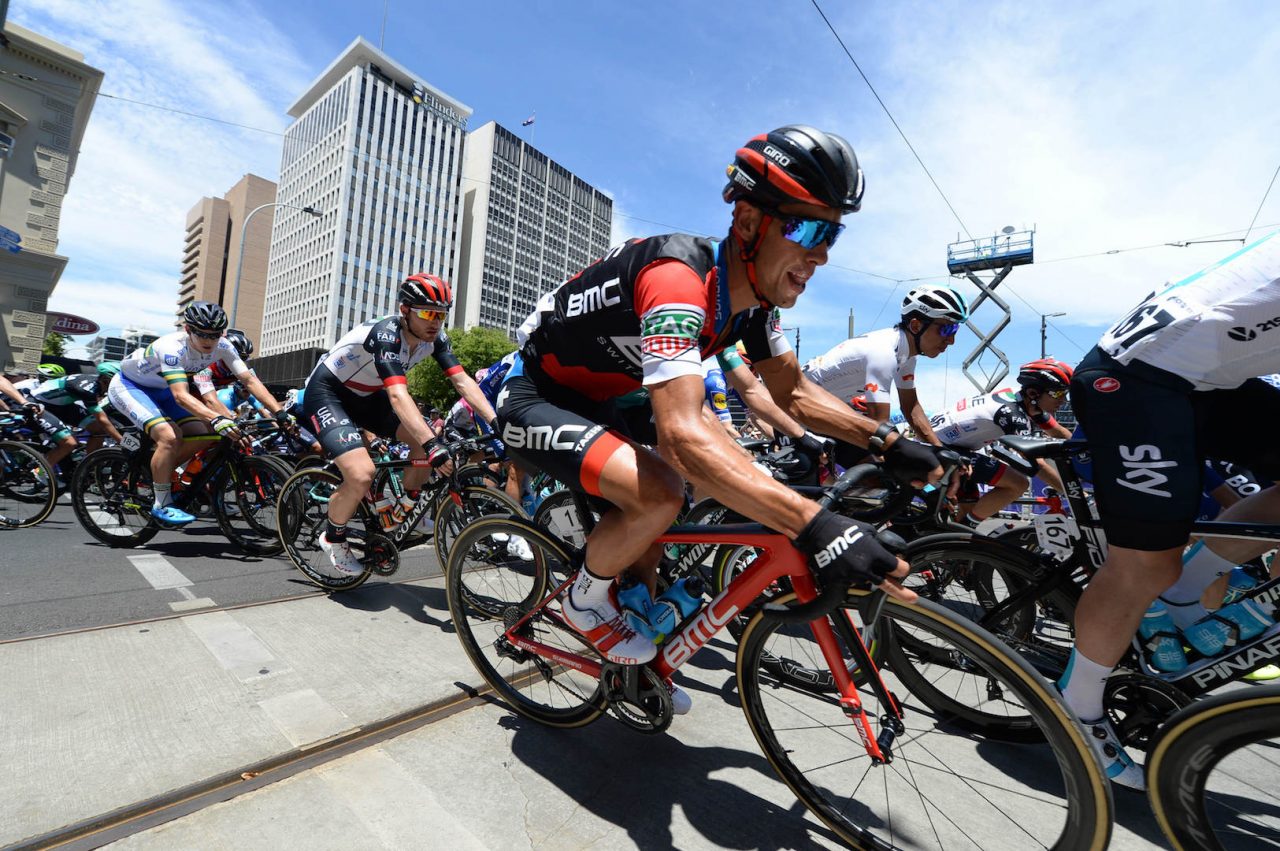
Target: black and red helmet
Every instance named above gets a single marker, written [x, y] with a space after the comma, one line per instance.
[1046, 373]
[796, 164]
[422, 290]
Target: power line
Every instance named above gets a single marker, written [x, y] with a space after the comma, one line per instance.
[891, 118]
[1260, 203]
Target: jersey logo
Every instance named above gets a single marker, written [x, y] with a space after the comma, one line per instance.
[1141, 463]
[669, 332]
[542, 437]
[171, 360]
[593, 298]
[873, 387]
[1242, 334]
[1106, 385]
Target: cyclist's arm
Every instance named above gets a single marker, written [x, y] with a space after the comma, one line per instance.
[211, 399]
[407, 411]
[104, 423]
[7, 388]
[814, 407]
[759, 402]
[469, 390]
[910, 404]
[259, 390]
[706, 456]
[182, 394]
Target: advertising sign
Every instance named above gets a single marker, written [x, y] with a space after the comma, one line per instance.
[68, 323]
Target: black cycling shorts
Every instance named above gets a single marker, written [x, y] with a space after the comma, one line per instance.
[53, 420]
[1149, 433]
[986, 470]
[561, 433]
[335, 415]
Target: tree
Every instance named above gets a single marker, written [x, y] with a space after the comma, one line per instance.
[55, 344]
[475, 348]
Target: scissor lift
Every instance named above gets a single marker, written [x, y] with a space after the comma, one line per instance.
[1000, 252]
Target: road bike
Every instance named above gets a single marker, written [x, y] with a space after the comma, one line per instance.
[28, 487]
[896, 775]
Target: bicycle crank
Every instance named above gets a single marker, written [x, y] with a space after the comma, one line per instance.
[637, 697]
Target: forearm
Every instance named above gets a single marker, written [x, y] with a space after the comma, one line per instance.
[824, 413]
[471, 391]
[260, 392]
[924, 431]
[411, 418]
[215, 404]
[194, 405]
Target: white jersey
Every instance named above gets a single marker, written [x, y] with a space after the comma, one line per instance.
[170, 358]
[978, 420]
[27, 385]
[1217, 328]
[869, 365]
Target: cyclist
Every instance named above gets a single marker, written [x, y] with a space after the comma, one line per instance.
[360, 384]
[216, 377]
[981, 420]
[681, 299]
[1165, 387]
[72, 402]
[153, 389]
[871, 364]
[11, 397]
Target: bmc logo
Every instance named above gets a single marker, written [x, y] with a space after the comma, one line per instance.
[832, 551]
[593, 298]
[777, 156]
[541, 437]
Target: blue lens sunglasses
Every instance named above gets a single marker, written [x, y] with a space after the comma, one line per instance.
[807, 233]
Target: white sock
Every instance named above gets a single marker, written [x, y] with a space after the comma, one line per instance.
[1201, 567]
[1082, 685]
[588, 589]
[163, 495]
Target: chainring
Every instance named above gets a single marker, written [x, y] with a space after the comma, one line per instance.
[649, 709]
[1137, 704]
[381, 554]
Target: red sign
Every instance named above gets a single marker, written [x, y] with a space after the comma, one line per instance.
[68, 323]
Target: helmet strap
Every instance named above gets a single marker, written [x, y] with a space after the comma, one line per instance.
[748, 258]
[916, 335]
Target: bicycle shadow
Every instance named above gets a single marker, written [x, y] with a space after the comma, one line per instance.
[417, 602]
[636, 782]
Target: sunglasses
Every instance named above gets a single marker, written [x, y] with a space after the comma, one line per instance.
[810, 233]
[429, 314]
[1057, 394]
[205, 335]
[948, 330]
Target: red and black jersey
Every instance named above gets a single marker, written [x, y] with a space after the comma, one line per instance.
[649, 311]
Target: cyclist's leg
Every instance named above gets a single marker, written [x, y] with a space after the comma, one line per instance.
[57, 432]
[1006, 485]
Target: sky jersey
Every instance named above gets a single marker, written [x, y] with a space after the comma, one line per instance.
[978, 420]
[1216, 328]
[374, 355]
[170, 359]
[81, 390]
[868, 365]
[646, 313]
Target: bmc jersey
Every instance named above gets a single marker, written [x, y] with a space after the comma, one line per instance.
[979, 420]
[170, 359]
[73, 390]
[648, 312]
[375, 355]
[1217, 328]
[869, 365]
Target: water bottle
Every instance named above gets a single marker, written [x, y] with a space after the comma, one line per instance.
[1239, 582]
[1228, 626]
[678, 602]
[636, 605]
[1161, 640]
[386, 512]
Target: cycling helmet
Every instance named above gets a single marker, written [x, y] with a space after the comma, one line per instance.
[108, 369]
[935, 302]
[424, 290]
[51, 370]
[1045, 373]
[241, 341]
[205, 315]
[796, 164]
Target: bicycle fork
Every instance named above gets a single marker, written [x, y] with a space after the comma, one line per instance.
[878, 746]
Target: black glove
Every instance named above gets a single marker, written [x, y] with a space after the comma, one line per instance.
[809, 445]
[32, 409]
[845, 551]
[282, 417]
[909, 460]
[437, 455]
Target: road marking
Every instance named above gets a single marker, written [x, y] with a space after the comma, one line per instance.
[305, 717]
[235, 646]
[163, 576]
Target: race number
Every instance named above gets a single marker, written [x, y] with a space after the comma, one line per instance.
[1056, 533]
[130, 442]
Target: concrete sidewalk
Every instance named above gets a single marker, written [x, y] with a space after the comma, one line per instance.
[100, 720]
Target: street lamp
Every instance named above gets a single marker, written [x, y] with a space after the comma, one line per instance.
[244, 229]
[1043, 318]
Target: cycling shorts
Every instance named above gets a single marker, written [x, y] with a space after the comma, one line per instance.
[559, 432]
[336, 415]
[1149, 434]
[146, 407]
[52, 421]
[986, 470]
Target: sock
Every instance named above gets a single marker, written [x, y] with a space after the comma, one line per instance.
[163, 494]
[1201, 566]
[589, 589]
[335, 532]
[1082, 685]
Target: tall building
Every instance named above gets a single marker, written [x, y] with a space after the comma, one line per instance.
[112, 348]
[46, 95]
[379, 153]
[528, 224]
[212, 252]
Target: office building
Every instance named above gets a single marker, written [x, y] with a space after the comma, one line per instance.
[212, 252]
[106, 347]
[46, 95]
[528, 224]
[378, 152]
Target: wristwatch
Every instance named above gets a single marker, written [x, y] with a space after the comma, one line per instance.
[876, 442]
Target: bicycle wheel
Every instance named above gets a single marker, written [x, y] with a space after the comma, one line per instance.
[558, 514]
[246, 508]
[302, 509]
[112, 498]
[471, 475]
[941, 789]
[473, 502]
[490, 591]
[28, 490]
[1211, 772]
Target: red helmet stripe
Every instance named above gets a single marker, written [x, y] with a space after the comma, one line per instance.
[779, 178]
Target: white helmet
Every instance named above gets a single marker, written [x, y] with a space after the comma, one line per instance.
[935, 302]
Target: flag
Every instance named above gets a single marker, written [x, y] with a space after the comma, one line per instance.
[528, 120]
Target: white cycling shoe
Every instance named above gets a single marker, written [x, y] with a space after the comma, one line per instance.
[602, 625]
[1119, 766]
[343, 559]
[681, 702]
[518, 547]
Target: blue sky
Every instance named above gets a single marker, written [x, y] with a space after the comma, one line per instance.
[1107, 126]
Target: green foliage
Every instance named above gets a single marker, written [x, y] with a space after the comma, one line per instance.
[475, 348]
[55, 344]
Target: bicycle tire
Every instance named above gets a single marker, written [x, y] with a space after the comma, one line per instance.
[1053, 795]
[302, 511]
[248, 516]
[1189, 753]
[112, 498]
[470, 475]
[28, 487]
[487, 591]
[474, 501]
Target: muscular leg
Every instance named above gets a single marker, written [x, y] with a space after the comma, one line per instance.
[357, 475]
[623, 536]
[1115, 600]
[1010, 486]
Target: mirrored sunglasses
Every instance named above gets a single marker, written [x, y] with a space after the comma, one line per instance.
[429, 313]
[205, 335]
[1057, 394]
[948, 330]
[810, 233]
